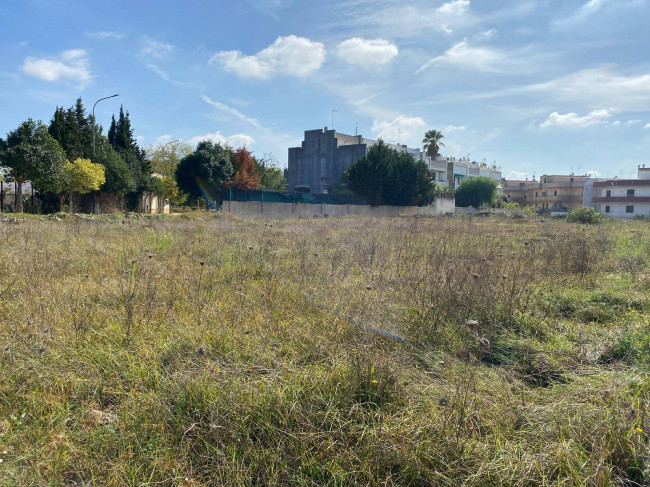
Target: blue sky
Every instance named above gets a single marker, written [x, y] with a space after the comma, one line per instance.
[543, 86]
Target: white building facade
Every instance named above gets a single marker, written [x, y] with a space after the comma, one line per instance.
[621, 198]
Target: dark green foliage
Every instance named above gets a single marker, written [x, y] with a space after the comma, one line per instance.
[208, 167]
[385, 177]
[156, 187]
[585, 214]
[74, 131]
[272, 177]
[33, 155]
[120, 137]
[118, 176]
[476, 192]
[119, 156]
[432, 142]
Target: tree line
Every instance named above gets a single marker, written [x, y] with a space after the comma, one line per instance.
[73, 155]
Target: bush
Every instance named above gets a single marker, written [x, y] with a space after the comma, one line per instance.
[584, 214]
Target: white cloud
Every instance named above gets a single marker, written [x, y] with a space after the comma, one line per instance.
[465, 56]
[516, 176]
[647, 126]
[290, 56]
[232, 112]
[72, 65]
[399, 20]
[600, 86]
[448, 13]
[237, 140]
[487, 35]
[408, 130]
[616, 122]
[632, 122]
[591, 7]
[106, 35]
[367, 51]
[155, 49]
[453, 128]
[572, 119]
[163, 139]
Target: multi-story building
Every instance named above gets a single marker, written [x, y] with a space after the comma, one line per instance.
[324, 155]
[552, 192]
[518, 191]
[558, 192]
[457, 169]
[620, 198]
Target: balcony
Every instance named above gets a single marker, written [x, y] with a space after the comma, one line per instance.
[622, 199]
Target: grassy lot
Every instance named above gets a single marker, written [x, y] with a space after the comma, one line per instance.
[207, 351]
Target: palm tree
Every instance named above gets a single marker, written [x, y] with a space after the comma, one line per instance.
[432, 142]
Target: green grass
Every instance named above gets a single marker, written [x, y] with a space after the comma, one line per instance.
[206, 351]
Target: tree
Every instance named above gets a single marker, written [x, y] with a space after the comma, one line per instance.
[476, 192]
[432, 142]
[271, 176]
[118, 177]
[246, 175]
[384, 176]
[165, 157]
[83, 176]
[33, 155]
[120, 136]
[204, 172]
[172, 192]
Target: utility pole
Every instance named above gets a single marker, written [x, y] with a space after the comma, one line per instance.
[94, 125]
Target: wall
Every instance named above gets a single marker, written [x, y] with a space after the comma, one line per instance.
[257, 209]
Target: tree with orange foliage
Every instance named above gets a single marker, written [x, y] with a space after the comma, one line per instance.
[246, 175]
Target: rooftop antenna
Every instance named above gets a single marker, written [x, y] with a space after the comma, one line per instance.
[356, 129]
[399, 131]
[579, 167]
[333, 111]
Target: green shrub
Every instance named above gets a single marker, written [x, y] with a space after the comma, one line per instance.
[585, 214]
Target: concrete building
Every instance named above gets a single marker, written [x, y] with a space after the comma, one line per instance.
[458, 169]
[324, 155]
[519, 191]
[553, 192]
[620, 198]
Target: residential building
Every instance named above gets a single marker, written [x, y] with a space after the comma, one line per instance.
[458, 169]
[324, 155]
[552, 192]
[620, 198]
[519, 191]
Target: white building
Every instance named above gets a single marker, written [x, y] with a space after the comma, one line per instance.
[620, 198]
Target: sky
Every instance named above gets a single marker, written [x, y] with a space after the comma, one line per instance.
[539, 86]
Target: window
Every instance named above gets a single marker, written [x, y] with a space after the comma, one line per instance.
[629, 209]
[554, 193]
[571, 179]
[535, 194]
[607, 209]
[609, 193]
[630, 193]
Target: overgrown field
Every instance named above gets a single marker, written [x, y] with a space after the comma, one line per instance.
[210, 351]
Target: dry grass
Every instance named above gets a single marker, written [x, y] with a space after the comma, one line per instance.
[208, 351]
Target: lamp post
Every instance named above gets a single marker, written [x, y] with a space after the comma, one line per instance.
[94, 124]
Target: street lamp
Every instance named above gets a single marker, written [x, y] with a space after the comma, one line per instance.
[94, 124]
[105, 98]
